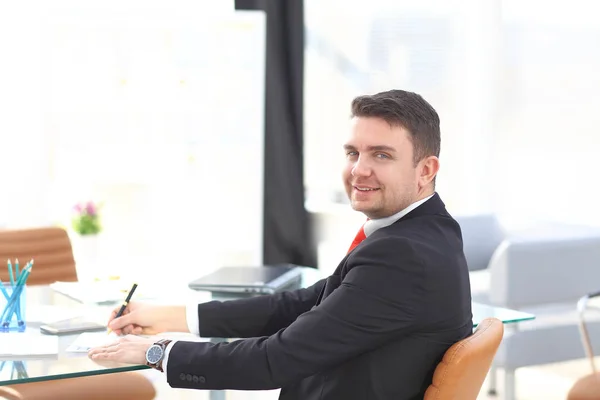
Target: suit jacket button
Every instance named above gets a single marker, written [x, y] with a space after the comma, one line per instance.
[195, 378]
[188, 377]
[182, 376]
[202, 379]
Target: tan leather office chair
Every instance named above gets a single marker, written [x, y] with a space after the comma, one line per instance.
[50, 247]
[588, 387]
[460, 374]
[125, 385]
[9, 394]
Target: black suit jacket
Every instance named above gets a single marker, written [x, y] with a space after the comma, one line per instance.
[375, 329]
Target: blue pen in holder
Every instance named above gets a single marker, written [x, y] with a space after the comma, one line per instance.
[12, 317]
[12, 298]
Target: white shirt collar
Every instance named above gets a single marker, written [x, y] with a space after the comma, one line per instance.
[373, 224]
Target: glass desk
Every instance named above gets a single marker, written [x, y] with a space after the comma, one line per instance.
[64, 365]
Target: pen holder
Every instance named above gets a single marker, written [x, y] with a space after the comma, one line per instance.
[9, 369]
[12, 317]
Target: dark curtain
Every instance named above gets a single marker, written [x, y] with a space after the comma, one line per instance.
[286, 233]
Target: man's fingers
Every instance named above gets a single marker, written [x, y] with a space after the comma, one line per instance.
[138, 330]
[113, 315]
[126, 330]
[121, 322]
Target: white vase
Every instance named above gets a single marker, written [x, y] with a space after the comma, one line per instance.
[85, 250]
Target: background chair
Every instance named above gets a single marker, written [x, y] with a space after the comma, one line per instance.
[121, 386]
[50, 247]
[460, 374]
[588, 387]
[9, 394]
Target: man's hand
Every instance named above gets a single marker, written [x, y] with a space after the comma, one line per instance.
[127, 349]
[147, 319]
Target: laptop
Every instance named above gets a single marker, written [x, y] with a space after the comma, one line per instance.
[264, 279]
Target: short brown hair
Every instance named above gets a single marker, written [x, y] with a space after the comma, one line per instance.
[407, 110]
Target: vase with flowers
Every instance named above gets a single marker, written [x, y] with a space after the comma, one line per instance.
[86, 223]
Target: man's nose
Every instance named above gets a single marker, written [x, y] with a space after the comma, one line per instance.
[361, 168]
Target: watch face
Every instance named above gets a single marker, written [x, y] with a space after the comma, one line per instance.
[154, 354]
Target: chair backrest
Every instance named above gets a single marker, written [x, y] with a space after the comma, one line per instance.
[481, 233]
[544, 269]
[460, 374]
[49, 247]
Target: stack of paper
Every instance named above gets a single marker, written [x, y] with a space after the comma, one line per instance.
[27, 345]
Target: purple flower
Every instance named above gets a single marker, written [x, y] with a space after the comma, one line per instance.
[77, 208]
[90, 208]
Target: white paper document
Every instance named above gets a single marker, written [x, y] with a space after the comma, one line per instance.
[23, 344]
[88, 340]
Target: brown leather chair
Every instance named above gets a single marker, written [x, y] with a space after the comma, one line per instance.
[9, 394]
[588, 387]
[50, 248]
[460, 374]
[124, 385]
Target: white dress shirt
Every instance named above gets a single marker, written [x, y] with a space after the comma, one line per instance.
[191, 310]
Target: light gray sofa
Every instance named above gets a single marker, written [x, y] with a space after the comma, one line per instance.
[544, 271]
[482, 234]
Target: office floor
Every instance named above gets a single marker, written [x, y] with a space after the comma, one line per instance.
[549, 382]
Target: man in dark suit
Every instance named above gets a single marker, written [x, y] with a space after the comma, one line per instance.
[378, 326]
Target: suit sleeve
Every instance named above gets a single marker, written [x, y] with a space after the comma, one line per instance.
[379, 300]
[256, 316]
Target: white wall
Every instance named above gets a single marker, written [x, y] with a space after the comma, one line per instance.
[515, 84]
[154, 108]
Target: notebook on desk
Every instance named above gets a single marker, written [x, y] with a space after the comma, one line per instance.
[264, 279]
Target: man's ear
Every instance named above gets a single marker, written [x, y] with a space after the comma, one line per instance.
[428, 167]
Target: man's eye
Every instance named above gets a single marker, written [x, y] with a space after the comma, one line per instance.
[382, 156]
[351, 153]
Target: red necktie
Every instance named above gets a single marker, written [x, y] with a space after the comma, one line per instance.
[360, 236]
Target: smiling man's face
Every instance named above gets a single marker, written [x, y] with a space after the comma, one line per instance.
[380, 176]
